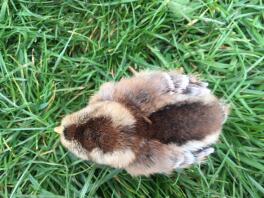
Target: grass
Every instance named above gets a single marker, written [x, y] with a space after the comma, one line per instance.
[55, 54]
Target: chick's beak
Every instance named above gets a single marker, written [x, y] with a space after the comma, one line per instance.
[59, 129]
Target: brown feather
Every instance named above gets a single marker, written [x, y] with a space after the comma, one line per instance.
[182, 123]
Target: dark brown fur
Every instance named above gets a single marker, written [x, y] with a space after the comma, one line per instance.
[70, 131]
[96, 132]
[99, 133]
[180, 123]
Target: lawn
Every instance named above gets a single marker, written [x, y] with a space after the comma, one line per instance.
[55, 54]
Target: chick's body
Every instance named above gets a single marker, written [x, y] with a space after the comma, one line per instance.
[154, 122]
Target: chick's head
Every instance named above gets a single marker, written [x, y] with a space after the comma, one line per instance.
[101, 132]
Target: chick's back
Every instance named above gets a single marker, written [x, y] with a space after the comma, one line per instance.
[180, 123]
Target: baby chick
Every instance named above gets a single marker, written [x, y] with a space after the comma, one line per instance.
[153, 122]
